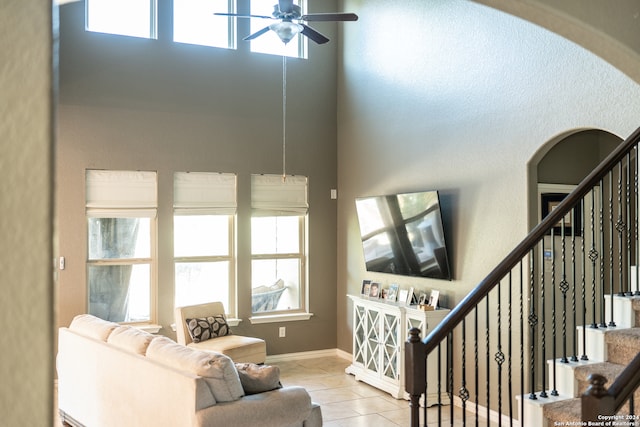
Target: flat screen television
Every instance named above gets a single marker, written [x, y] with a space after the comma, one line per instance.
[403, 234]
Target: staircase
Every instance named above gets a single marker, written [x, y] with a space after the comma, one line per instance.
[620, 344]
[551, 336]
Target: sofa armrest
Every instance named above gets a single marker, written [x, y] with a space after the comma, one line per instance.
[284, 407]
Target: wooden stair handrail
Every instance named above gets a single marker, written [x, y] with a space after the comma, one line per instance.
[598, 402]
[469, 302]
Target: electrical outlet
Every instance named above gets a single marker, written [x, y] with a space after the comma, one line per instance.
[282, 332]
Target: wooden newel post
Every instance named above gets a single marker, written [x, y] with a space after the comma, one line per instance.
[415, 373]
[596, 400]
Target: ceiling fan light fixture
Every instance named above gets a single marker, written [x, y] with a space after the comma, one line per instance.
[286, 30]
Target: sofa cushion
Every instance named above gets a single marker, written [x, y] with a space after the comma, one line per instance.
[92, 326]
[130, 339]
[204, 328]
[258, 378]
[217, 369]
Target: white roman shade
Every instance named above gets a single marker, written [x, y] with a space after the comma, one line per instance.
[204, 193]
[113, 194]
[271, 195]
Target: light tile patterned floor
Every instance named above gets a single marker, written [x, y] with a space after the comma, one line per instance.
[346, 402]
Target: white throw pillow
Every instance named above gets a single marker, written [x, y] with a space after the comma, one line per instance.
[217, 369]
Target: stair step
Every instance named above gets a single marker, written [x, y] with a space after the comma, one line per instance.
[625, 310]
[566, 380]
[563, 412]
[623, 345]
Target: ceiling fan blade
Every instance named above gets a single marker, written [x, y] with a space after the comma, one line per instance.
[285, 6]
[236, 15]
[257, 33]
[313, 34]
[330, 17]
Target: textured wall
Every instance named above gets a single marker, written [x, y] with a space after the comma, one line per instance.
[459, 99]
[26, 306]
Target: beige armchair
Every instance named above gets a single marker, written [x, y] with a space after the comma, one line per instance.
[239, 348]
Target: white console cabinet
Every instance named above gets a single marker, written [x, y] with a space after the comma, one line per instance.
[380, 330]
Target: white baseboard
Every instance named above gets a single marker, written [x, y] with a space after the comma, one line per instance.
[491, 415]
[308, 355]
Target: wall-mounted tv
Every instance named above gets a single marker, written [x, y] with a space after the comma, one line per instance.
[403, 234]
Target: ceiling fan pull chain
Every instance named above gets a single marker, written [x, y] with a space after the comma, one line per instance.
[284, 117]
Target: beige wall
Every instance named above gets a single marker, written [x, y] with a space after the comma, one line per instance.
[459, 99]
[26, 142]
[25, 397]
[156, 105]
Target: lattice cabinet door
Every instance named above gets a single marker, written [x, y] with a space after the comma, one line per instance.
[390, 346]
[359, 335]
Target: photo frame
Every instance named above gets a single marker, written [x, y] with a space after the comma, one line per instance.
[572, 224]
[433, 299]
[422, 299]
[409, 299]
[366, 285]
[402, 296]
[392, 294]
[374, 290]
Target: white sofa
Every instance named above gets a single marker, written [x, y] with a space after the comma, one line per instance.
[112, 375]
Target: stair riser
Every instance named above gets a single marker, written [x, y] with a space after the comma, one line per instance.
[622, 355]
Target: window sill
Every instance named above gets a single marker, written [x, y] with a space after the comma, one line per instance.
[293, 317]
[152, 329]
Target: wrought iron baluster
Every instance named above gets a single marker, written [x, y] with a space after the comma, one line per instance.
[487, 350]
[499, 356]
[620, 226]
[450, 374]
[564, 287]
[543, 317]
[475, 350]
[611, 272]
[636, 223]
[554, 392]
[522, 364]
[533, 321]
[593, 256]
[464, 392]
[509, 349]
[574, 341]
[602, 251]
[583, 285]
[627, 232]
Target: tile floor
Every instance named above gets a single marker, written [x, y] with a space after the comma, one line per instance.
[346, 402]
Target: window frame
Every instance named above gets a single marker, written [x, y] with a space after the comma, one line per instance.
[153, 22]
[232, 30]
[231, 258]
[267, 202]
[152, 261]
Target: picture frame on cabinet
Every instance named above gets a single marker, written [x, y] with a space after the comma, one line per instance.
[392, 295]
[422, 299]
[402, 295]
[374, 290]
[433, 299]
[409, 299]
[366, 285]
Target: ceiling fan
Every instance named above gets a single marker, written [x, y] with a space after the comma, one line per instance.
[285, 12]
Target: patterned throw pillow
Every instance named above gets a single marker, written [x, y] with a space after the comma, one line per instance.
[204, 328]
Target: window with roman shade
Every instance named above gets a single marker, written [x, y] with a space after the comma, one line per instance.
[205, 206]
[278, 244]
[121, 229]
